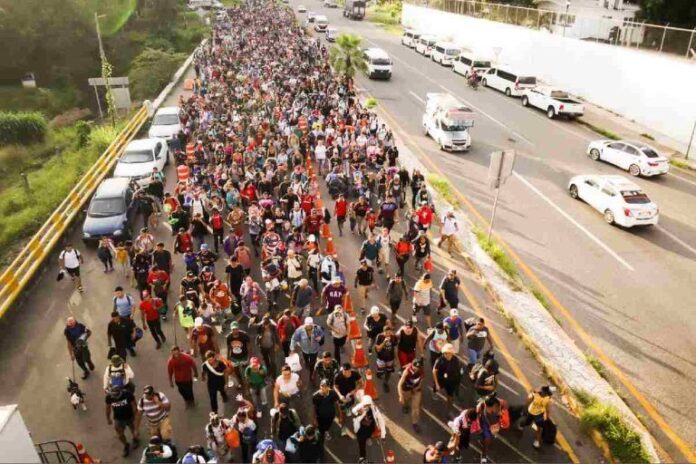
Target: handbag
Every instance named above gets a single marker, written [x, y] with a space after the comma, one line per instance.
[294, 362]
[428, 264]
[232, 438]
[138, 334]
[505, 419]
[548, 432]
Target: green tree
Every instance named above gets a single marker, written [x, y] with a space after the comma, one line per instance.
[346, 57]
[678, 13]
[151, 71]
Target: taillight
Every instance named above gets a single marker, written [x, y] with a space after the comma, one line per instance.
[560, 108]
[627, 212]
[650, 163]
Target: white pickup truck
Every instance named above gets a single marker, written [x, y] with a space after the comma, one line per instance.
[555, 102]
[448, 121]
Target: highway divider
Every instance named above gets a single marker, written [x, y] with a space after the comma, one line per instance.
[17, 276]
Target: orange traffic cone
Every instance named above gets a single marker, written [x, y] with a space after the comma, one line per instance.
[359, 359]
[188, 84]
[370, 388]
[353, 329]
[318, 203]
[348, 304]
[324, 231]
[82, 455]
[391, 457]
[330, 249]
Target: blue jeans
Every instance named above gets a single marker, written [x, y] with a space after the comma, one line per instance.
[473, 355]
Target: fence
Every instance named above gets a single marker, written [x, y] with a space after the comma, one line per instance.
[31, 257]
[614, 31]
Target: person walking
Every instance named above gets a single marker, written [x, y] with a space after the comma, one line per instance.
[455, 329]
[374, 325]
[449, 289]
[338, 325]
[333, 295]
[248, 431]
[105, 253]
[367, 420]
[120, 412]
[346, 385]
[436, 339]
[155, 406]
[538, 412]
[255, 376]
[301, 298]
[396, 290]
[476, 337]
[182, 370]
[421, 298]
[70, 260]
[403, 250]
[214, 373]
[408, 343]
[287, 325]
[76, 335]
[447, 374]
[449, 228]
[268, 342]
[308, 339]
[385, 346]
[325, 401]
[284, 424]
[118, 374]
[286, 388]
[120, 334]
[150, 312]
[410, 389]
[364, 281]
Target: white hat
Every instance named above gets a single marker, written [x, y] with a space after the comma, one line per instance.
[454, 312]
[374, 310]
[308, 320]
[198, 322]
[448, 348]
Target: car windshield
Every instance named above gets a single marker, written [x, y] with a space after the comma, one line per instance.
[106, 207]
[635, 197]
[649, 152]
[453, 126]
[527, 80]
[165, 120]
[452, 52]
[482, 64]
[381, 61]
[136, 156]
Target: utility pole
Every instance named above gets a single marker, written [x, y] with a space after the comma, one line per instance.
[691, 139]
[106, 75]
[500, 168]
[565, 19]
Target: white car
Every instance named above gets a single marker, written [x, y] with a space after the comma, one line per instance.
[621, 201]
[165, 125]
[425, 44]
[301, 9]
[311, 16]
[330, 4]
[638, 158]
[321, 22]
[140, 158]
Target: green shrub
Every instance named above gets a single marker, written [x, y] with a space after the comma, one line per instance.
[370, 103]
[624, 442]
[496, 253]
[50, 102]
[159, 43]
[151, 71]
[22, 128]
[82, 129]
[443, 187]
[596, 364]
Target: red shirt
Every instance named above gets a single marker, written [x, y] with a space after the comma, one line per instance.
[182, 368]
[341, 208]
[157, 275]
[425, 215]
[151, 308]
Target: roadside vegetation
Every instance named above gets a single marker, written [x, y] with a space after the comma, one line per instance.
[444, 188]
[601, 131]
[497, 254]
[596, 365]
[385, 13]
[624, 442]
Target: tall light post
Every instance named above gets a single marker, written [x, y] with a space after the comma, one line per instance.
[565, 19]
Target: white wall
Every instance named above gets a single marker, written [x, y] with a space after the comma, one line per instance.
[656, 90]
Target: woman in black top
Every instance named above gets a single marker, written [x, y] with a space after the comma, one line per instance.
[214, 371]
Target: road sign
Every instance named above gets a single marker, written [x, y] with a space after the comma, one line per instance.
[500, 168]
[502, 164]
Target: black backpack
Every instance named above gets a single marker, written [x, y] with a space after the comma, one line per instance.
[548, 432]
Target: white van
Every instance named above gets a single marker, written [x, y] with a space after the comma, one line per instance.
[321, 22]
[505, 80]
[445, 53]
[466, 62]
[379, 65]
[410, 38]
[425, 44]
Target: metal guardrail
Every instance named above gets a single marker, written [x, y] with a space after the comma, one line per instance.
[20, 272]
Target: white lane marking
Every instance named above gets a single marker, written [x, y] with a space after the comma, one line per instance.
[676, 239]
[333, 456]
[671, 174]
[589, 234]
[416, 96]
[515, 133]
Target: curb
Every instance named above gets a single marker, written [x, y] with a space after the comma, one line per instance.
[498, 286]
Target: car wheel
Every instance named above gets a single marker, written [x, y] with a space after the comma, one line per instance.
[508, 92]
[525, 101]
[442, 147]
[594, 154]
[425, 131]
[609, 216]
[573, 190]
[484, 82]
[634, 170]
[551, 112]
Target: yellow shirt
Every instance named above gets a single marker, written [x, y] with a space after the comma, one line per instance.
[539, 404]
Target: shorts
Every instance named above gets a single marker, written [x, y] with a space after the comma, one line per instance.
[73, 271]
[120, 426]
[405, 357]
[424, 308]
[384, 366]
[163, 429]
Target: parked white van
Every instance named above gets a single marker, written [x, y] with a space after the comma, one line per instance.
[466, 62]
[504, 79]
[321, 22]
[379, 65]
[445, 53]
[425, 44]
[410, 38]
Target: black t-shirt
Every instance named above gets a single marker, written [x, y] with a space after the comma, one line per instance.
[238, 345]
[375, 327]
[365, 276]
[325, 406]
[122, 406]
[121, 331]
[346, 384]
[448, 371]
[235, 277]
[190, 285]
[163, 259]
[387, 352]
[407, 343]
[215, 372]
[327, 372]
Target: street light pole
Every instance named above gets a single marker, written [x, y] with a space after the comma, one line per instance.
[565, 19]
[688, 148]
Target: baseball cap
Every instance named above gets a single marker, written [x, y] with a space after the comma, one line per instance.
[448, 348]
[198, 322]
[324, 383]
[454, 312]
[308, 320]
[149, 390]
[117, 360]
[374, 310]
[234, 325]
[254, 361]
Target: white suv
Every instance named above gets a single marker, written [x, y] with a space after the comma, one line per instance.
[165, 124]
[140, 158]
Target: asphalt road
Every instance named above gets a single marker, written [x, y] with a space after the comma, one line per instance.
[34, 364]
[630, 290]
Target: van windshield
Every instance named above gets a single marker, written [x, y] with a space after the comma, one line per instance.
[527, 80]
[136, 156]
[453, 126]
[107, 207]
[482, 64]
[165, 120]
[381, 61]
[452, 52]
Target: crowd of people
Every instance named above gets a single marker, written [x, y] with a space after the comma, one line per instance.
[267, 127]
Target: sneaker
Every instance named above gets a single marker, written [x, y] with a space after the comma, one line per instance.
[91, 367]
[133, 353]
[416, 428]
[158, 346]
[85, 374]
[126, 450]
[136, 442]
[520, 427]
[484, 459]
[344, 431]
[164, 339]
[362, 461]
[327, 436]
[536, 444]
[259, 415]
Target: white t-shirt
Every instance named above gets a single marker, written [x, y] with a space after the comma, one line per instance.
[71, 259]
[288, 388]
[320, 152]
[449, 225]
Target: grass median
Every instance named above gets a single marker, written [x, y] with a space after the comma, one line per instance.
[497, 254]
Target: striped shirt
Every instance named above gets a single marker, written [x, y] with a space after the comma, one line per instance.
[150, 409]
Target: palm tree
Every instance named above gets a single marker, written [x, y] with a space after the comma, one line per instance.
[346, 57]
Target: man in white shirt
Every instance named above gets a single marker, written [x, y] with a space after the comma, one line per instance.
[450, 226]
[70, 260]
[320, 155]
